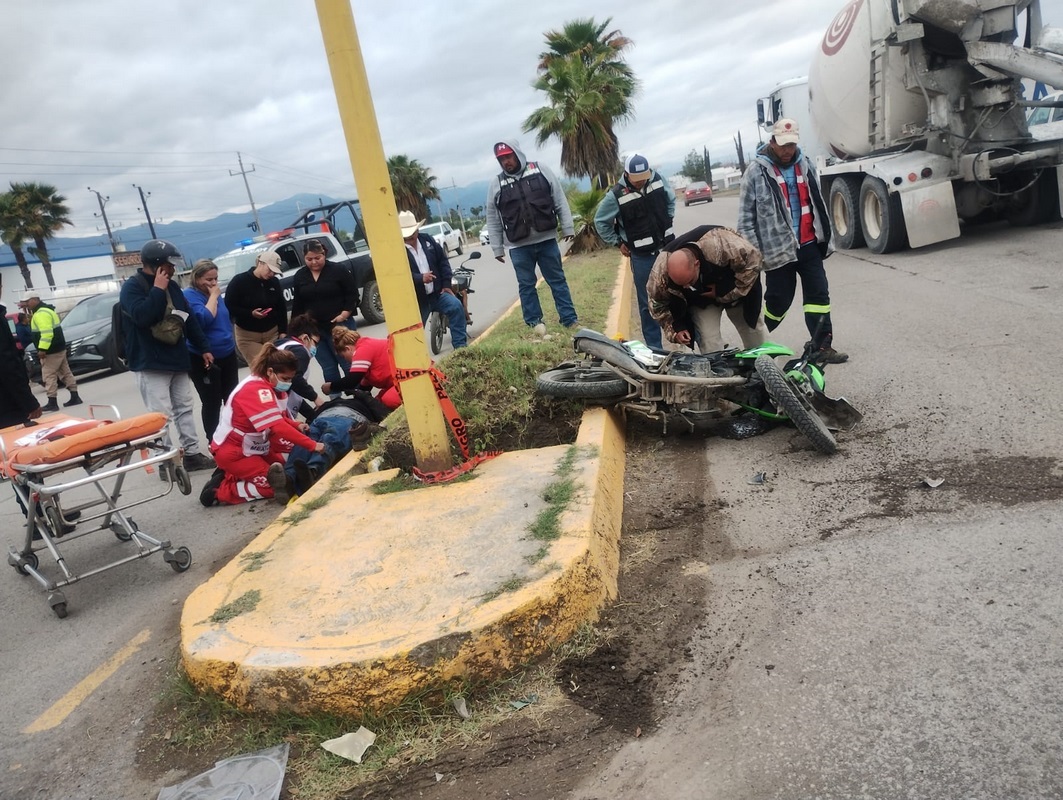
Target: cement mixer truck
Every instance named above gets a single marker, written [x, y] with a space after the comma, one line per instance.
[919, 107]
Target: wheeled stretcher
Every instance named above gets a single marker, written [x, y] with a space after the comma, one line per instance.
[61, 454]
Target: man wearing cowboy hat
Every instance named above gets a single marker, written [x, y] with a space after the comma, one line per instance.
[431, 277]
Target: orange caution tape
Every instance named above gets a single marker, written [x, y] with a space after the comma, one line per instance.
[450, 412]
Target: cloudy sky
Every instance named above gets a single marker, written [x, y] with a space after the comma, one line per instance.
[112, 93]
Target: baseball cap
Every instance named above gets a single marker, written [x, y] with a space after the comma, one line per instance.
[273, 261]
[503, 149]
[786, 132]
[637, 167]
[31, 296]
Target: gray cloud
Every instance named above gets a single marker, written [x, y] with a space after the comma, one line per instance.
[116, 92]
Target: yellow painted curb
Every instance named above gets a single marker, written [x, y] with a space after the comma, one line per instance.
[352, 601]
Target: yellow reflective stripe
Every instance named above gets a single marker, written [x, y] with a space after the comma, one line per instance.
[817, 309]
[769, 315]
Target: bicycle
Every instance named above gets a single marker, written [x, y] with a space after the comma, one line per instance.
[461, 283]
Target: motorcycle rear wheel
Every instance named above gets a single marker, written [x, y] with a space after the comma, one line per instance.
[586, 383]
[439, 328]
[795, 406]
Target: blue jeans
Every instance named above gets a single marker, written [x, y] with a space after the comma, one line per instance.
[640, 271]
[335, 432]
[332, 366]
[548, 256]
[451, 306]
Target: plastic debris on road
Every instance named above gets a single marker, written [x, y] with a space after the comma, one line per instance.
[251, 776]
[351, 746]
[933, 483]
[524, 701]
[759, 479]
[460, 707]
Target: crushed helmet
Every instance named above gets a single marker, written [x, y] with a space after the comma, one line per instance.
[157, 252]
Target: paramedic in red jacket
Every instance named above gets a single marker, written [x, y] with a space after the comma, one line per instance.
[255, 433]
[372, 367]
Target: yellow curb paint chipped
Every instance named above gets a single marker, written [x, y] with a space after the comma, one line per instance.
[60, 710]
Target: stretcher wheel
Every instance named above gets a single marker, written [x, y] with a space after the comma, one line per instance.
[120, 533]
[60, 610]
[55, 521]
[31, 561]
[180, 559]
[184, 483]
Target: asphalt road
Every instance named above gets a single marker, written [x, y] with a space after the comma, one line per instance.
[867, 636]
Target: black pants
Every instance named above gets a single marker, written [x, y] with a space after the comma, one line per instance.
[782, 286]
[213, 395]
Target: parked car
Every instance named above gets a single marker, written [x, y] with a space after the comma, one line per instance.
[89, 336]
[697, 192]
[447, 238]
[1041, 115]
[485, 237]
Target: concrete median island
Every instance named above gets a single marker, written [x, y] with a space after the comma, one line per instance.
[353, 600]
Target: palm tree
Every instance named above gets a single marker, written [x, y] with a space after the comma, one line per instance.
[583, 205]
[42, 213]
[11, 234]
[412, 185]
[589, 88]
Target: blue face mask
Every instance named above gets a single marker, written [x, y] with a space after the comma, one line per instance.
[313, 350]
[283, 386]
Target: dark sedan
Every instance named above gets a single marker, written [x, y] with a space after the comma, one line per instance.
[89, 338]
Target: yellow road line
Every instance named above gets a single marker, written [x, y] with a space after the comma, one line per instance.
[61, 709]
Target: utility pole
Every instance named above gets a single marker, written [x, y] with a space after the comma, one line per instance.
[143, 202]
[103, 201]
[247, 186]
[461, 217]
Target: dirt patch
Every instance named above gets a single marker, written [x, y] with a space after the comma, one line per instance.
[617, 691]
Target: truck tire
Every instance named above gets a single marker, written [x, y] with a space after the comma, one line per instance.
[881, 218]
[1035, 204]
[372, 308]
[845, 212]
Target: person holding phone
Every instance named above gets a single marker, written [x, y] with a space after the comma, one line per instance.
[213, 383]
[255, 303]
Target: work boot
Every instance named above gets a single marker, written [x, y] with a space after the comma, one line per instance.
[53, 405]
[208, 496]
[75, 400]
[305, 476]
[362, 433]
[280, 483]
[828, 355]
[198, 461]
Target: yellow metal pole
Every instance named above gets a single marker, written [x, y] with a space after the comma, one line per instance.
[428, 429]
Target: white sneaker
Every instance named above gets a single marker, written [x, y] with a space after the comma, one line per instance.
[539, 330]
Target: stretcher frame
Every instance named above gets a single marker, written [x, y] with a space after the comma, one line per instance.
[48, 520]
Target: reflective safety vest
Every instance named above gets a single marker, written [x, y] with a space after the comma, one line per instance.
[806, 232]
[525, 203]
[644, 215]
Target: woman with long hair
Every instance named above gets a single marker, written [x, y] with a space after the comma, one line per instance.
[254, 434]
[372, 366]
[216, 382]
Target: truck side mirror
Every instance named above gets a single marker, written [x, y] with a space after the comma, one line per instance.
[760, 112]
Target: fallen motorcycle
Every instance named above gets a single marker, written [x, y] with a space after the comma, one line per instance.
[690, 386]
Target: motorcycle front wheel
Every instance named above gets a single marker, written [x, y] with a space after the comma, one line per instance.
[586, 383]
[794, 405]
[439, 328]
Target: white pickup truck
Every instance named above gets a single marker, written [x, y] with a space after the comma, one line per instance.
[339, 228]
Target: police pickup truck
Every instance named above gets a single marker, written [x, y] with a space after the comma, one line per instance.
[340, 230]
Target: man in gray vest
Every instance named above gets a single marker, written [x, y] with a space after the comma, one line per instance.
[525, 202]
[636, 216]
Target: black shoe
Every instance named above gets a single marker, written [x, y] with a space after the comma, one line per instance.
[362, 434]
[75, 400]
[53, 405]
[208, 496]
[198, 461]
[305, 476]
[280, 483]
[828, 355]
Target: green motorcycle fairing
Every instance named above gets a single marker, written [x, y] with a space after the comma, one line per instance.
[766, 349]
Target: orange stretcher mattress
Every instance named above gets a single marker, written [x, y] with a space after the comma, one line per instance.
[57, 438]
